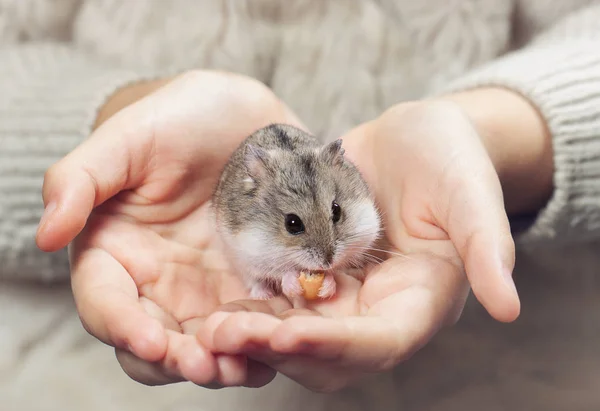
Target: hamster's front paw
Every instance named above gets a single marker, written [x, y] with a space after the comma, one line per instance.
[261, 291]
[329, 286]
[290, 285]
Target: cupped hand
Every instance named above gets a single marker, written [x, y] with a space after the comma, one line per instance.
[134, 199]
[445, 229]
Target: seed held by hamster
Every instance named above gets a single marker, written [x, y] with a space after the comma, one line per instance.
[311, 283]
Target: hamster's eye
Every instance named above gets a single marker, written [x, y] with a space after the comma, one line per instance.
[293, 224]
[336, 212]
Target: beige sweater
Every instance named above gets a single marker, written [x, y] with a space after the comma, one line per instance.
[336, 63]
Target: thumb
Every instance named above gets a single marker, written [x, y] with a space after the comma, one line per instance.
[478, 226]
[95, 171]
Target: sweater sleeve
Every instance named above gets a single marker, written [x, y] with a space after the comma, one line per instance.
[559, 73]
[48, 104]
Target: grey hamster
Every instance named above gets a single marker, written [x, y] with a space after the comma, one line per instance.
[286, 203]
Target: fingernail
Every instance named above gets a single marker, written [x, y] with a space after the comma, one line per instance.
[48, 211]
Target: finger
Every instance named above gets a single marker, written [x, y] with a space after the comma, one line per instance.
[314, 374]
[367, 344]
[240, 371]
[95, 171]
[144, 372]
[207, 329]
[259, 374]
[249, 333]
[185, 360]
[234, 370]
[478, 226]
[392, 329]
[107, 301]
[231, 370]
[191, 360]
[153, 374]
[227, 332]
[272, 306]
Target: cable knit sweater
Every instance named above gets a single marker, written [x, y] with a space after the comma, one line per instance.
[336, 63]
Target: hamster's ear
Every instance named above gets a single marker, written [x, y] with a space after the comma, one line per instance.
[333, 153]
[255, 159]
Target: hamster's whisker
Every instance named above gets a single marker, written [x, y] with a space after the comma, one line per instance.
[359, 262]
[276, 262]
[359, 258]
[367, 258]
[372, 258]
[391, 253]
[279, 266]
[361, 252]
[365, 249]
[366, 234]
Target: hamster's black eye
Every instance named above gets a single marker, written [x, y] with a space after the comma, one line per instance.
[293, 224]
[336, 211]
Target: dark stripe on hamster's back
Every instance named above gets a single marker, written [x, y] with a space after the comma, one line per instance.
[283, 139]
[309, 168]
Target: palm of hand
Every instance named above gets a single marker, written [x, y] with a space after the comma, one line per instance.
[177, 265]
[159, 244]
[173, 267]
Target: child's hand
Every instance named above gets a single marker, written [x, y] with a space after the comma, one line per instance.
[147, 267]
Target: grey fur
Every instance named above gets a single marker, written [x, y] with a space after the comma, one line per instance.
[282, 170]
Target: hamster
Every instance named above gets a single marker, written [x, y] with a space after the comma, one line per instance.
[286, 203]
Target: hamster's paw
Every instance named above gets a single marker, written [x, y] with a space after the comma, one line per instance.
[290, 285]
[261, 291]
[328, 287]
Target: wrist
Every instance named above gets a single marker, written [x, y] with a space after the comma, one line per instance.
[518, 142]
[125, 96]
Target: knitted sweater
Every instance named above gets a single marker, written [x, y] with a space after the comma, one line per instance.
[336, 63]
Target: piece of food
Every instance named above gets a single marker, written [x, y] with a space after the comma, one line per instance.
[311, 283]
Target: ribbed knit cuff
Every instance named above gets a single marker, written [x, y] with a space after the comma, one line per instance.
[49, 98]
[563, 81]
